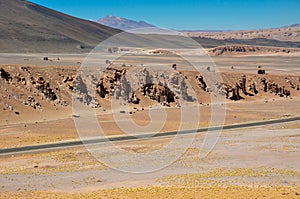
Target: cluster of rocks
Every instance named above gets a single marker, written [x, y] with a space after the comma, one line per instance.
[130, 84]
[250, 88]
[115, 84]
[201, 83]
[5, 75]
[69, 81]
[11, 108]
[159, 93]
[261, 71]
[231, 92]
[31, 102]
[240, 87]
[272, 87]
[123, 90]
[106, 85]
[20, 79]
[233, 49]
[25, 68]
[44, 87]
[293, 84]
[158, 86]
[101, 90]
[179, 86]
[113, 50]
[160, 52]
[39, 86]
[80, 91]
[163, 88]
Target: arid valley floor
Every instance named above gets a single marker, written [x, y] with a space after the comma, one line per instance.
[251, 162]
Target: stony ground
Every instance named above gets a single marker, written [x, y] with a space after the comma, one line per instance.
[253, 162]
[260, 162]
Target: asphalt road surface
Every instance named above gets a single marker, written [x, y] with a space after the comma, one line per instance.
[75, 143]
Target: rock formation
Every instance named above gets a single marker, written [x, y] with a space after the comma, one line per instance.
[44, 87]
[101, 90]
[5, 75]
[31, 102]
[81, 92]
[272, 87]
[202, 83]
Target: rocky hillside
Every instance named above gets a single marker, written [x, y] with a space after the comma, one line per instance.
[26, 91]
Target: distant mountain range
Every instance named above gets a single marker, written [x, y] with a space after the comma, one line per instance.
[30, 28]
[292, 26]
[122, 23]
[128, 24]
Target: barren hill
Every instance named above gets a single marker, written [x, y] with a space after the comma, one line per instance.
[28, 27]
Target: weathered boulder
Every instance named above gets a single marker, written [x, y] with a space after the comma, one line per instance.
[5, 75]
[201, 82]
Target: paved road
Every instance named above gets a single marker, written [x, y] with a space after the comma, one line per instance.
[58, 145]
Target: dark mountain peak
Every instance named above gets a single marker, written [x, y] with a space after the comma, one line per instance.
[122, 23]
[292, 26]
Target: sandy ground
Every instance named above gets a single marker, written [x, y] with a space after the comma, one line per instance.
[55, 123]
[65, 129]
[252, 162]
[252, 159]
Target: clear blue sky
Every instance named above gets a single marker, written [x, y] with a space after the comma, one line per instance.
[188, 14]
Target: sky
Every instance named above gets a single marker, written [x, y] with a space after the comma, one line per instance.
[187, 14]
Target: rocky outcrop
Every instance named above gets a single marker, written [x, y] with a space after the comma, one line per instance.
[240, 49]
[158, 93]
[20, 79]
[241, 87]
[37, 88]
[44, 87]
[163, 88]
[201, 82]
[80, 91]
[272, 87]
[261, 71]
[5, 75]
[69, 81]
[156, 86]
[252, 88]
[122, 89]
[31, 102]
[233, 49]
[293, 84]
[231, 92]
[101, 90]
[236, 93]
[248, 87]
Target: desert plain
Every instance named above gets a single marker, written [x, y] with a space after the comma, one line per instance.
[249, 162]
